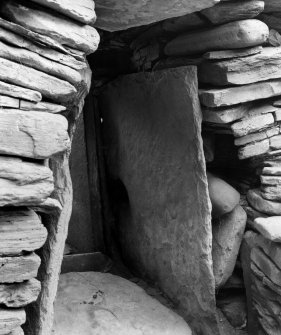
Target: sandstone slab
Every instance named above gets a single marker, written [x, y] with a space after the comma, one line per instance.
[19, 294]
[234, 35]
[96, 302]
[20, 231]
[228, 11]
[163, 233]
[32, 134]
[255, 137]
[235, 95]
[18, 269]
[19, 92]
[119, 15]
[10, 320]
[252, 124]
[270, 192]
[271, 171]
[66, 32]
[254, 149]
[41, 107]
[225, 115]
[10, 102]
[269, 227]
[227, 237]
[82, 10]
[265, 206]
[233, 53]
[263, 66]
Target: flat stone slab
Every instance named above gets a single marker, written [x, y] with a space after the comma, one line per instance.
[232, 53]
[89, 303]
[11, 320]
[269, 227]
[265, 206]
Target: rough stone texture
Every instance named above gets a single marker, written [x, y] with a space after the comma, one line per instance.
[235, 95]
[255, 137]
[230, 54]
[158, 155]
[233, 11]
[271, 171]
[101, 303]
[265, 206]
[18, 269]
[19, 294]
[122, 14]
[234, 35]
[20, 230]
[241, 71]
[270, 192]
[252, 124]
[24, 183]
[63, 30]
[225, 115]
[254, 149]
[18, 331]
[82, 10]
[269, 227]
[19, 92]
[224, 198]
[32, 134]
[11, 319]
[227, 237]
[10, 102]
[41, 107]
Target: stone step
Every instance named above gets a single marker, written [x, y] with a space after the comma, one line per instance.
[19, 294]
[32, 134]
[234, 35]
[11, 320]
[92, 302]
[20, 231]
[241, 71]
[18, 269]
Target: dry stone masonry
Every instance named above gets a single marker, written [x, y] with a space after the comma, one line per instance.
[44, 77]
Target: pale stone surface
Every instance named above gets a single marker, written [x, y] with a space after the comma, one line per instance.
[49, 86]
[270, 180]
[271, 192]
[19, 269]
[275, 142]
[19, 294]
[82, 10]
[269, 227]
[254, 149]
[170, 222]
[235, 53]
[41, 107]
[250, 138]
[235, 95]
[11, 319]
[265, 206]
[92, 302]
[6, 101]
[224, 197]
[245, 70]
[122, 14]
[228, 11]
[67, 32]
[19, 92]
[234, 35]
[225, 115]
[20, 231]
[227, 237]
[272, 171]
[18, 331]
[252, 124]
[32, 134]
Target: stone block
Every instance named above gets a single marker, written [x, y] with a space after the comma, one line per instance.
[254, 149]
[10, 320]
[265, 206]
[252, 124]
[270, 227]
[232, 53]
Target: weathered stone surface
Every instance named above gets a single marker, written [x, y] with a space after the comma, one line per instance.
[225, 115]
[254, 137]
[270, 180]
[224, 198]
[10, 102]
[48, 206]
[49, 86]
[228, 11]
[254, 149]
[265, 206]
[227, 237]
[269, 227]
[234, 35]
[275, 142]
[166, 232]
[252, 124]
[82, 10]
[18, 331]
[97, 302]
[119, 15]
[271, 192]
[245, 70]
[235, 95]
[230, 54]
[18, 269]
[271, 171]
[41, 107]
[20, 231]
[19, 294]
[11, 319]
[20, 41]
[19, 92]
[234, 308]
[32, 134]
[66, 32]
[24, 183]
[34, 60]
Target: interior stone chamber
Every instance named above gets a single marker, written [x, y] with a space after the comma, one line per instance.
[164, 120]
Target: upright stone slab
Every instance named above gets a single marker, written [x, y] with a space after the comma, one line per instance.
[152, 131]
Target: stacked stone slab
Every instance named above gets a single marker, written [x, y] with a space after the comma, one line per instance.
[43, 74]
